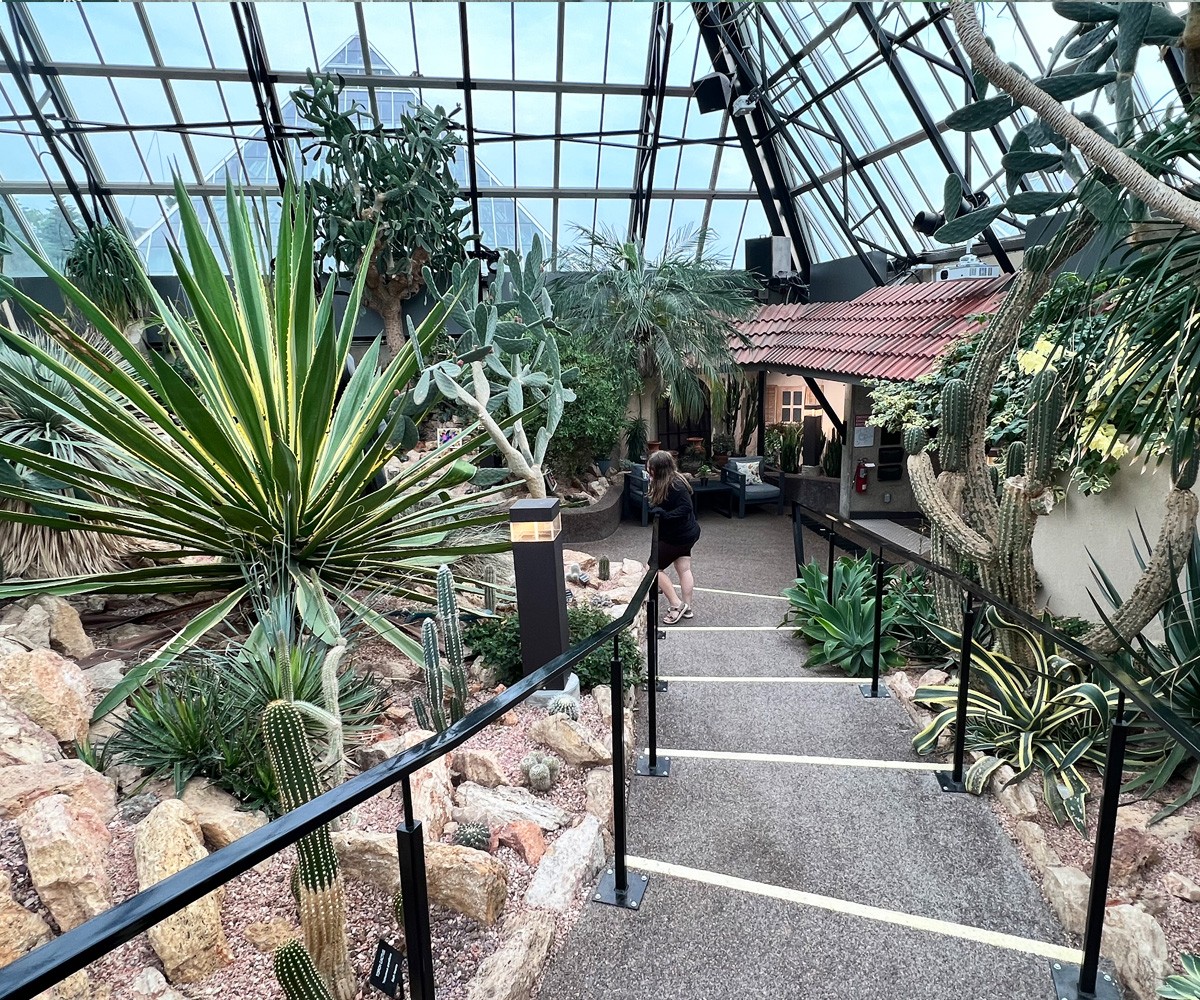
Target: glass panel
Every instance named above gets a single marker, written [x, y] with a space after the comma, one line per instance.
[585, 41]
[54, 231]
[537, 41]
[438, 49]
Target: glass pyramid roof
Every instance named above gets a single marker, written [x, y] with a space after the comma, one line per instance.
[100, 102]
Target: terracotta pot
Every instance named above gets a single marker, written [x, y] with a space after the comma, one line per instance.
[720, 460]
[652, 447]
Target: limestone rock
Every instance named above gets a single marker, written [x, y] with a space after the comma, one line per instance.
[1133, 850]
[191, 943]
[572, 862]
[626, 735]
[1033, 838]
[462, 879]
[603, 695]
[220, 816]
[900, 685]
[103, 677]
[1066, 890]
[505, 804]
[933, 676]
[66, 630]
[1016, 797]
[1182, 887]
[587, 563]
[150, 985]
[66, 847]
[511, 970]
[20, 930]
[24, 784]
[1138, 948]
[525, 837]
[52, 691]
[600, 802]
[1153, 898]
[267, 935]
[432, 792]
[23, 741]
[480, 766]
[137, 807]
[74, 987]
[28, 626]
[571, 740]
[369, 755]
[632, 568]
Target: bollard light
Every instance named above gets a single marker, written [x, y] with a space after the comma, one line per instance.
[535, 527]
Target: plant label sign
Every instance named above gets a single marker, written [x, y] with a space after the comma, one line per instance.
[386, 970]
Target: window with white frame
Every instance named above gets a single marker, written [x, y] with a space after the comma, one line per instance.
[791, 406]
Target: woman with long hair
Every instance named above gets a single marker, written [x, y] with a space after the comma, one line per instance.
[671, 500]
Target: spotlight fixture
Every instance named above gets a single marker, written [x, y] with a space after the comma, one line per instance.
[743, 105]
[928, 222]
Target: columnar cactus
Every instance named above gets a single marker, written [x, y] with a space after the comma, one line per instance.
[489, 589]
[297, 975]
[952, 442]
[477, 836]
[431, 711]
[1014, 460]
[605, 568]
[322, 896]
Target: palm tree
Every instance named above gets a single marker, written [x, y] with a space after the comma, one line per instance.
[672, 322]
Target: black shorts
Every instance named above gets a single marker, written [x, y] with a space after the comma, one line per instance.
[668, 552]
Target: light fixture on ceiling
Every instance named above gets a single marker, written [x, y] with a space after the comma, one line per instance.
[743, 105]
[928, 222]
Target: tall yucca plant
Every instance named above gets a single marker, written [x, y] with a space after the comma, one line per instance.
[263, 463]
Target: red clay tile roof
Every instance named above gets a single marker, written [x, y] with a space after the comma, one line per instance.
[895, 332]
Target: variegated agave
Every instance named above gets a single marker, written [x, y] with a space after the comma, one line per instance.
[1185, 986]
[1042, 718]
[257, 456]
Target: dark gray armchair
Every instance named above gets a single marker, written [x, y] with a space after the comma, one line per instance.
[636, 495]
[734, 474]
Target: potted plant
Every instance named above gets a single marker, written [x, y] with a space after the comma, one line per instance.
[774, 444]
[636, 433]
[705, 473]
[722, 448]
[652, 447]
[693, 455]
[789, 447]
[831, 461]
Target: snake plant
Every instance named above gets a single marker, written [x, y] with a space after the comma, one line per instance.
[259, 458]
[1045, 718]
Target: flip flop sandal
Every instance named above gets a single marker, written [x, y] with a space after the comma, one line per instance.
[688, 612]
[672, 617]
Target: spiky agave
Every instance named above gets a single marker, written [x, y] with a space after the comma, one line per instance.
[263, 458]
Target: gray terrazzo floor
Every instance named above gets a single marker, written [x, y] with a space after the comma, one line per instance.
[882, 837]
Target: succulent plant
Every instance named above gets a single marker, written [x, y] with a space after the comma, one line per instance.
[540, 770]
[297, 975]
[489, 589]
[600, 601]
[321, 892]
[430, 710]
[564, 704]
[398, 907]
[604, 568]
[477, 836]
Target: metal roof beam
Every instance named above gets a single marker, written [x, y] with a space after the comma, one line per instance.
[650, 122]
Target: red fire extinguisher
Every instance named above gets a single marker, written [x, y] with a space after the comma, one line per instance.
[860, 477]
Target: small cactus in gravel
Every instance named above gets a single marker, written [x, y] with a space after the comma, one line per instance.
[605, 568]
[564, 704]
[474, 835]
[540, 770]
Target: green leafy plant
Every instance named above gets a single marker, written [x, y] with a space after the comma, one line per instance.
[432, 711]
[831, 457]
[386, 197]
[265, 464]
[692, 459]
[1042, 718]
[1185, 985]
[591, 426]
[498, 641]
[791, 436]
[910, 597]
[843, 634]
[671, 321]
[103, 264]
[637, 436]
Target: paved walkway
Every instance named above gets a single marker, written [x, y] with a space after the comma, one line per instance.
[799, 849]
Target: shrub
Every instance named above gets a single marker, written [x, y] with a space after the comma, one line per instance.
[591, 426]
[498, 641]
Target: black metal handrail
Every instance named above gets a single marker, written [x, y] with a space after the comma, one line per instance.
[1069, 982]
[52, 962]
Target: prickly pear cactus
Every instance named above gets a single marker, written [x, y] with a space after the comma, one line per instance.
[604, 568]
[477, 836]
[297, 975]
[564, 704]
[540, 770]
[322, 896]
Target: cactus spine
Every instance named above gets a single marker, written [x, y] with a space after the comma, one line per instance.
[322, 896]
[297, 975]
[605, 568]
[431, 711]
[489, 589]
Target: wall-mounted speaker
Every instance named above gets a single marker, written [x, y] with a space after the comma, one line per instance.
[712, 92]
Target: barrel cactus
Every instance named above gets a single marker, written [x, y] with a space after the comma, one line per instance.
[564, 704]
[322, 895]
[540, 770]
[477, 836]
[297, 975]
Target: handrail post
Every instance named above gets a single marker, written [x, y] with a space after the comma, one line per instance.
[952, 780]
[829, 571]
[1086, 982]
[797, 536]
[615, 888]
[414, 892]
[873, 689]
[650, 764]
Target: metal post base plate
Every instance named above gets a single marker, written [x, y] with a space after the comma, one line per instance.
[660, 686]
[660, 770]
[1066, 984]
[882, 691]
[946, 782]
[631, 899]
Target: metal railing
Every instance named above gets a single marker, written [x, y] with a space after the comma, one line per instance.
[859, 539]
[52, 962]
